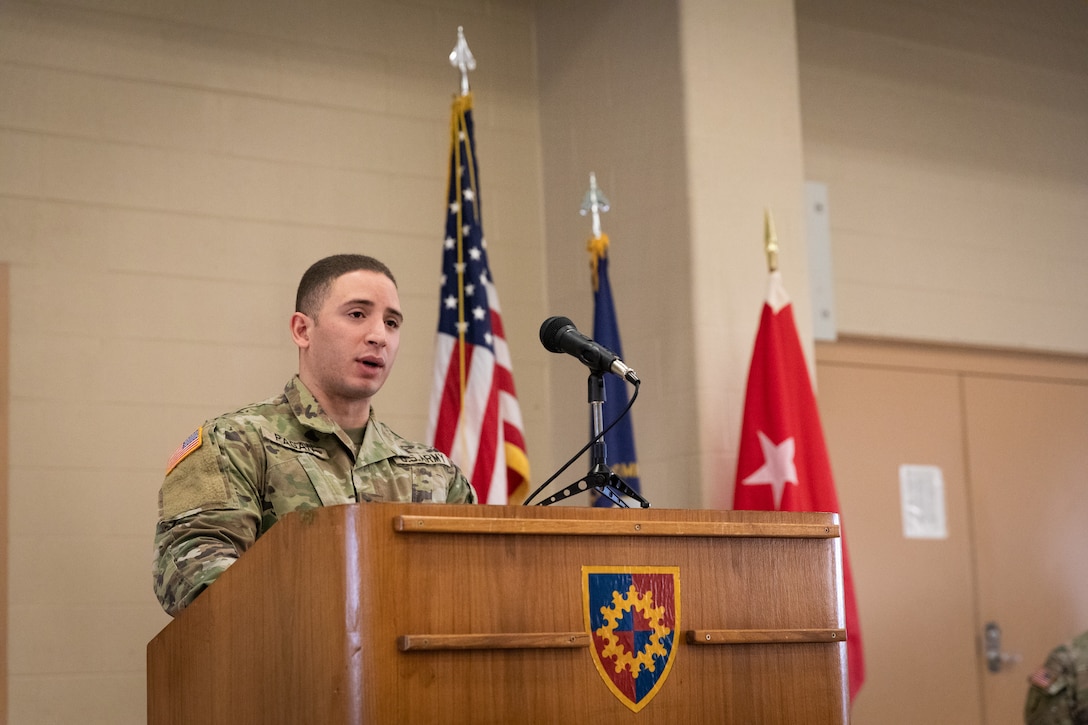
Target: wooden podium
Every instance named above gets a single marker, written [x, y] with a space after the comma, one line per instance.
[417, 613]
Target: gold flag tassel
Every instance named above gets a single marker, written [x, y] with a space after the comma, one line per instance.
[597, 248]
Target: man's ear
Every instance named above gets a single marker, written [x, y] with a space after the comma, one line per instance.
[300, 330]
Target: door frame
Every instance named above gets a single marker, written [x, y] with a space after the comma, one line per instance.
[954, 359]
[4, 508]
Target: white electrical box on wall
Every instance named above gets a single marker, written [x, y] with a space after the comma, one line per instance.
[821, 283]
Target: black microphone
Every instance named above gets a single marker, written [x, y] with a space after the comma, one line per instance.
[559, 334]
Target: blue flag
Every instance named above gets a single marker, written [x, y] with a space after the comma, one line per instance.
[620, 441]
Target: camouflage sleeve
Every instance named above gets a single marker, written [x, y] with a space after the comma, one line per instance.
[460, 490]
[1049, 696]
[209, 514]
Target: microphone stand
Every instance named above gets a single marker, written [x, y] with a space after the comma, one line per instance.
[600, 477]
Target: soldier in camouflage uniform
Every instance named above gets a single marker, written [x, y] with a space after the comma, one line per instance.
[317, 444]
[1059, 689]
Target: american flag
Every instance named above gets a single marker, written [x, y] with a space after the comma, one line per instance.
[187, 446]
[475, 418]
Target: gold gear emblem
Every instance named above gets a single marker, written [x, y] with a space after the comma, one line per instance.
[644, 605]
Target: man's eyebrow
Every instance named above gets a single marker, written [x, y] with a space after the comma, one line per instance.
[370, 305]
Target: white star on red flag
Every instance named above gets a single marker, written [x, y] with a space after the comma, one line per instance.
[778, 468]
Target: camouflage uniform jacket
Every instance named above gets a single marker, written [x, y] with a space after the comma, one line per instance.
[236, 475]
[1059, 689]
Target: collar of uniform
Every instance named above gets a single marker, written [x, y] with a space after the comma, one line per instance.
[379, 442]
[306, 408]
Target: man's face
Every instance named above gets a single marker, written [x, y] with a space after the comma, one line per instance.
[348, 349]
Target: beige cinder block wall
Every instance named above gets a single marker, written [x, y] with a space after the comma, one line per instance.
[954, 143]
[744, 154]
[611, 101]
[167, 172]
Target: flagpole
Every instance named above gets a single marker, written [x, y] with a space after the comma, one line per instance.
[462, 59]
[594, 204]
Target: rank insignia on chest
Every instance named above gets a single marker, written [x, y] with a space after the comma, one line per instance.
[632, 615]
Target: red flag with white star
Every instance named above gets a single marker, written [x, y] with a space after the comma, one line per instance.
[783, 464]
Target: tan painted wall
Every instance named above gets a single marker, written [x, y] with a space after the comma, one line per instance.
[167, 171]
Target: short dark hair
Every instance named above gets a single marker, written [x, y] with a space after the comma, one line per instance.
[315, 283]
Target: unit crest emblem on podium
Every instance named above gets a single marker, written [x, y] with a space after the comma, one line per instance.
[632, 615]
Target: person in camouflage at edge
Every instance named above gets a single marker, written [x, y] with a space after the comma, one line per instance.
[317, 444]
[1059, 689]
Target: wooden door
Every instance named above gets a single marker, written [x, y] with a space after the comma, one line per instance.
[915, 598]
[1027, 440]
[1008, 432]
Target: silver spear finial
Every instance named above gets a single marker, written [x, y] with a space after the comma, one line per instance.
[461, 59]
[595, 203]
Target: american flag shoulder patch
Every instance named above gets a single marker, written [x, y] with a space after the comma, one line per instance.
[187, 446]
[1043, 678]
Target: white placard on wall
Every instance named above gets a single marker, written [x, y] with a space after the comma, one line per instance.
[921, 495]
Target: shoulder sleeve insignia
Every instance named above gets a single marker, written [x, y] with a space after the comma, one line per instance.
[187, 446]
[1045, 679]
